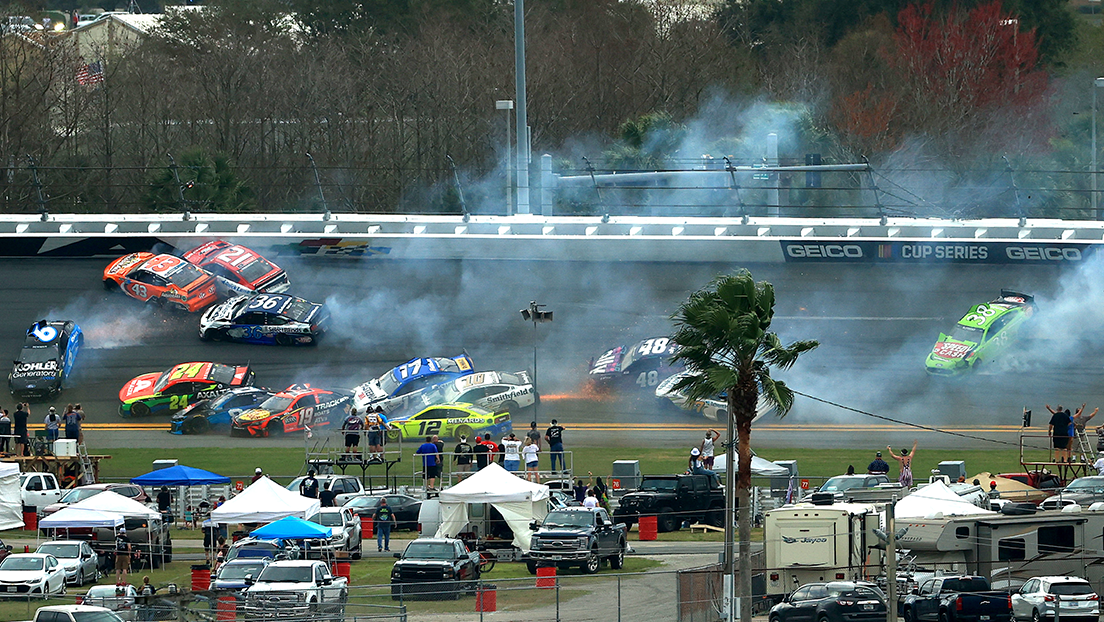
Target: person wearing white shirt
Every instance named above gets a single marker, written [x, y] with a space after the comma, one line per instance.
[591, 501]
[511, 453]
[529, 455]
[1099, 464]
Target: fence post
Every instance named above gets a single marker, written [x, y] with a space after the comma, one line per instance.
[479, 595]
[618, 598]
[557, 597]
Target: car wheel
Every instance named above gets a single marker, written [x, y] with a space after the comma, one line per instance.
[196, 425]
[715, 518]
[531, 567]
[667, 520]
[139, 409]
[80, 578]
[593, 562]
[509, 406]
[618, 561]
[943, 617]
[110, 285]
[394, 435]
[208, 335]
[283, 340]
[1034, 615]
[463, 430]
[823, 618]
[907, 614]
[274, 429]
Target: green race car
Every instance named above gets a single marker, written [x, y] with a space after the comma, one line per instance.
[981, 334]
[451, 421]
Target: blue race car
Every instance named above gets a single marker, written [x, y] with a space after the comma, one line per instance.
[217, 412]
[398, 389]
[47, 359]
[267, 319]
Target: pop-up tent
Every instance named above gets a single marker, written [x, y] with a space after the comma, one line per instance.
[292, 528]
[11, 503]
[179, 475]
[111, 501]
[933, 499]
[760, 467]
[73, 518]
[264, 501]
[520, 502]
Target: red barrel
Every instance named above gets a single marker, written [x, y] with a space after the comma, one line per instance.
[30, 520]
[201, 577]
[341, 569]
[546, 577]
[486, 598]
[367, 527]
[648, 528]
[227, 609]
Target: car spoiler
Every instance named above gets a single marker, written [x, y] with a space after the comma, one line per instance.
[1009, 296]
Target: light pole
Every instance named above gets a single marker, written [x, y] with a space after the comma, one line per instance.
[534, 314]
[522, 141]
[508, 105]
[1099, 82]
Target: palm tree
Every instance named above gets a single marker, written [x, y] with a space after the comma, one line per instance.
[723, 336]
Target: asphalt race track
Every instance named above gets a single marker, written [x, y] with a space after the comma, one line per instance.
[876, 324]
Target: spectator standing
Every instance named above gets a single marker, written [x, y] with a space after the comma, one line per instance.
[326, 497]
[164, 500]
[53, 425]
[511, 453]
[534, 435]
[706, 448]
[22, 414]
[123, 552]
[73, 418]
[430, 469]
[352, 427]
[223, 551]
[5, 432]
[1080, 419]
[189, 517]
[529, 456]
[591, 500]
[257, 474]
[1059, 430]
[210, 537]
[493, 450]
[309, 486]
[905, 461]
[1099, 464]
[482, 453]
[878, 466]
[580, 490]
[382, 521]
[462, 455]
[377, 427]
[146, 594]
[554, 436]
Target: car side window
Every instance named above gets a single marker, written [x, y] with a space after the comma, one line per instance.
[394, 501]
[927, 587]
[817, 592]
[180, 388]
[802, 593]
[51, 616]
[275, 320]
[34, 483]
[48, 483]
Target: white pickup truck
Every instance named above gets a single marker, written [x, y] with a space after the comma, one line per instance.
[75, 613]
[298, 589]
[39, 490]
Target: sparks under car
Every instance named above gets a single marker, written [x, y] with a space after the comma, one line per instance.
[277, 319]
[172, 390]
[47, 359]
[398, 389]
[982, 334]
[241, 270]
[293, 410]
[640, 367]
[162, 279]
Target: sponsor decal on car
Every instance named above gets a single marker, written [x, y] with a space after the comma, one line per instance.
[950, 350]
[40, 369]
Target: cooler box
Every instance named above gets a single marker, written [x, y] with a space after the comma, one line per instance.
[164, 464]
[953, 469]
[66, 447]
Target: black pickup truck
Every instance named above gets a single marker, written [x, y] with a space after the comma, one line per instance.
[956, 599]
[673, 499]
[584, 536]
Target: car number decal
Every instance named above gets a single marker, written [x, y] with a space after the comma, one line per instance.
[236, 256]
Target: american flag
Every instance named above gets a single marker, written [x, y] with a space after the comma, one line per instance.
[90, 74]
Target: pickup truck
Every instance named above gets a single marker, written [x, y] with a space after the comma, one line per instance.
[956, 599]
[345, 532]
[584, 536]
[673, 499]
[39, 490]
[75, 613]
[296, 589]
[436, 568]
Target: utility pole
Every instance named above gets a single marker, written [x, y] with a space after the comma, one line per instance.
[891, 561]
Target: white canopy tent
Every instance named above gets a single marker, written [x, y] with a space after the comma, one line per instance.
[934, 499]
[759, 466]
[73, 517]
[265, 501]
[520, 502]
[110, 501]
[11, 502]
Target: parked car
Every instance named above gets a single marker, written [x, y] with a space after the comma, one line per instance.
[39, 490]
[1073, 597]
[233, 575]
[839, 601]
[435, 567]
[31, 575]
[404, 507]
[840, 484]
[674, 499]
[257, 548]
[75, 613]
[583, 536]
[80, 562]
[956, 599]
[345, 532]
[80, 493]
[345, 487]
[1081, 491]
[117, 598]
[296, 589]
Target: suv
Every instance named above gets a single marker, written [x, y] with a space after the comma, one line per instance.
[296, 589]
[80, 493]
[345, 527]
[345, 487]
[839, 601]
[673, 499]
[585, 536]
[1039, 597]
[150, 538]
[439, 567]
[256, 548]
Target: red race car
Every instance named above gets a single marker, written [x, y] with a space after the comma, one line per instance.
[162, 279]
[184, 384]
[292, 410]
[241, 269]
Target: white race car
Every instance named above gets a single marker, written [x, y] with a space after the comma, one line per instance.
[715, 409]
[493, 390]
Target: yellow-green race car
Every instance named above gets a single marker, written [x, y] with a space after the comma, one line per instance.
[450, 422]
[981, 335]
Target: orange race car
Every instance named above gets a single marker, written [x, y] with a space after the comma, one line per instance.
[162, 279]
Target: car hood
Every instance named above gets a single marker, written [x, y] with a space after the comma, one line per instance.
[15, 576]
[253, 416]
[950, 349]
[139, 387]
[287, 586]
[222, 312]
[562, 532]
[1076, 497]
[427, 563]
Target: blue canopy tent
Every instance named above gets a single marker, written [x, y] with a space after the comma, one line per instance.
[292, 528]
[180, 475]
